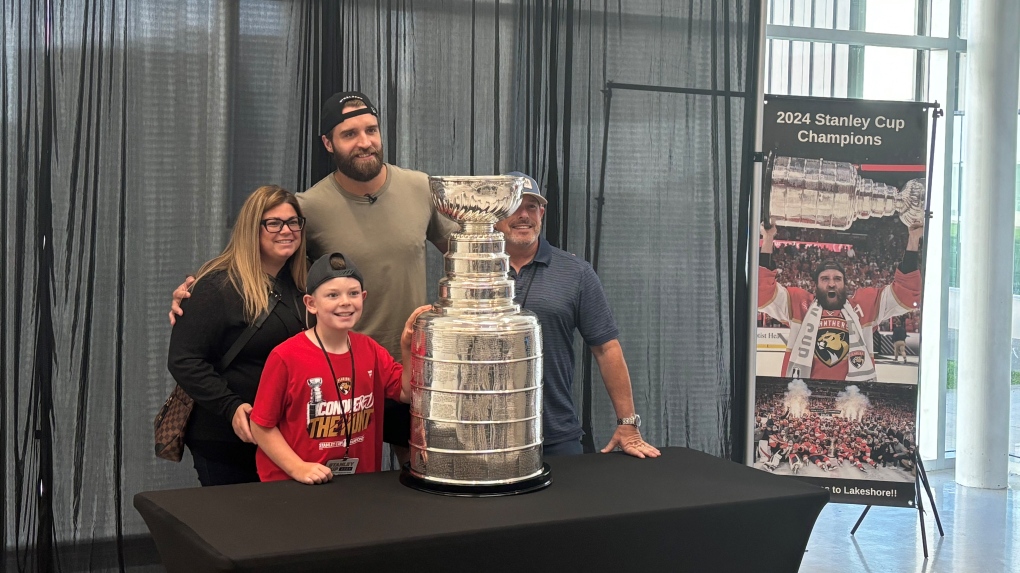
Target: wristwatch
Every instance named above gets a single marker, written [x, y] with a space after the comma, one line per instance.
[634, 420]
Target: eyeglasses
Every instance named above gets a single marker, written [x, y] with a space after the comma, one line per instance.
[276, 225]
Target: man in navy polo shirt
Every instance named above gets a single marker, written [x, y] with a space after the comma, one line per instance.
[566, 294]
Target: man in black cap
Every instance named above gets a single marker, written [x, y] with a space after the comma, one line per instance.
[379, 214]
[830, 331]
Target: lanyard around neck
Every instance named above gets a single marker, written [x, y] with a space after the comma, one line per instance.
[527, 288]
[345, 415]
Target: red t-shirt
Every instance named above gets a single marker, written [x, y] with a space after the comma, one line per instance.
[314, 425]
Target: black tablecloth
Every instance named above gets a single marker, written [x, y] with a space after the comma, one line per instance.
[685, 511]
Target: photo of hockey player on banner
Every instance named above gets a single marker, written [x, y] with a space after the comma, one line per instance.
[846, 310]
[839, 294]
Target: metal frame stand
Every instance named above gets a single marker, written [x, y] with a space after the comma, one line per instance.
[593, 245]
[921, 478]
[920, 475]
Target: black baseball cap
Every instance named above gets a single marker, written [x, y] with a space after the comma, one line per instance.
[333, 110]
[331, 266]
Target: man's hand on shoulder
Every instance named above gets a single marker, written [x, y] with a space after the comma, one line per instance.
[179, 294]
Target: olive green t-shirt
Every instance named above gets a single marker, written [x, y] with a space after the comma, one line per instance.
[386, 240]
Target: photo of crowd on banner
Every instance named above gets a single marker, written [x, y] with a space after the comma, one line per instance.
[824, 428]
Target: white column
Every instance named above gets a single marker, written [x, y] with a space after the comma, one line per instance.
[986, 243]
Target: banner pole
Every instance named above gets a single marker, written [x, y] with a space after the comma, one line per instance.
[921, 476]
[752, 240]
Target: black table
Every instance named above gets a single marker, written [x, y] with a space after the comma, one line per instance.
[685, 511]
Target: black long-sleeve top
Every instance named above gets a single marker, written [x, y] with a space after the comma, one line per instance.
[213, 320]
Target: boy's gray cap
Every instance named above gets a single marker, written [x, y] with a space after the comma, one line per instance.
[530, 186]
[322, 271]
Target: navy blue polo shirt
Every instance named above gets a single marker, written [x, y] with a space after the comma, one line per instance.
[566, 294]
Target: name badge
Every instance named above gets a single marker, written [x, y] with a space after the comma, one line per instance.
[342, 467]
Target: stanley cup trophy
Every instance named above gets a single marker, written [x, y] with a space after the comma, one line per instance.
[476, 384]
[801, 192]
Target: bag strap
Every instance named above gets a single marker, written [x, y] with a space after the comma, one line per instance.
[247, 334]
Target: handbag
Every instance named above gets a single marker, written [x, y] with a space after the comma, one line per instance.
[170, 423]
[172, 418]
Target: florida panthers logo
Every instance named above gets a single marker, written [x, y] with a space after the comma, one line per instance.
[831, 346]
[344, 385]
[857, 359]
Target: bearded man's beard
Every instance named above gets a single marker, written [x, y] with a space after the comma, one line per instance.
[831, 302]
[362, 170]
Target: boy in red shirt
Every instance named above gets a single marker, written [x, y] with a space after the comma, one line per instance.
[319, 407]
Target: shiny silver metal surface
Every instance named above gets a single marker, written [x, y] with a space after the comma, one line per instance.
[476, 385]
[477, 199]
[832, 195]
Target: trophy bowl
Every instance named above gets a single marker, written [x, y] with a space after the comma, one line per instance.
[477, 199]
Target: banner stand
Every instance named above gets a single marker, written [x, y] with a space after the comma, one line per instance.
[921, 477]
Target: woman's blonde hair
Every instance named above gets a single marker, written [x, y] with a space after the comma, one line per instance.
[241, 259]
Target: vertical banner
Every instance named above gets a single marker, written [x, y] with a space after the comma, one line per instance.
[839, 287]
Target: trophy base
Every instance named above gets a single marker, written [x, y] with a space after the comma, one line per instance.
[529, 485]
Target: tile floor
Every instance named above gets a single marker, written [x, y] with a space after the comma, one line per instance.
[980, 525]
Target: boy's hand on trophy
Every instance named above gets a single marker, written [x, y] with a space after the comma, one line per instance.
[408, 333]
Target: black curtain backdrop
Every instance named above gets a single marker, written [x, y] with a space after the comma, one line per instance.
[133, 130]
[481, 87]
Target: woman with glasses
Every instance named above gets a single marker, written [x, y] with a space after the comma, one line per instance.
[252, 289]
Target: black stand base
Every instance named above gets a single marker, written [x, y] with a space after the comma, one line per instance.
[921, 479]
[536, 483]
